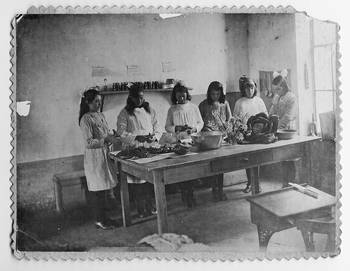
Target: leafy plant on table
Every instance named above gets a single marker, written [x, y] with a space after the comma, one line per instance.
[236, 130]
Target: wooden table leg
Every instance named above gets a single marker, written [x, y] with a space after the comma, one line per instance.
[58, 196]
[254, 177]
[264, 235]
[161, 204]
[311, 165]
[290, 172]
[124, 197]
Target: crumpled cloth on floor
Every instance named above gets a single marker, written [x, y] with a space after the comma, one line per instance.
[171, 242]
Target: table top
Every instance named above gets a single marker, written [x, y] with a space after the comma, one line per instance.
[224, 151]
[289, 201]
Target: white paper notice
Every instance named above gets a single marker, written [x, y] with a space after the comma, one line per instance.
[168, 66]
[133, 70]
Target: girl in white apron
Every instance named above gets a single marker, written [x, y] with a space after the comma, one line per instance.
[136, 122]
[248, 105]
[183, 119]
[98, 167]
[216, 112]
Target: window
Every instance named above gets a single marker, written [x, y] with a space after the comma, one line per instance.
[323, 42]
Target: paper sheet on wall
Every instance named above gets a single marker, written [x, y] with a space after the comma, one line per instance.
[133, 70]
[168, 66]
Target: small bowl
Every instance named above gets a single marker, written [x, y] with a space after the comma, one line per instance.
[286, 134]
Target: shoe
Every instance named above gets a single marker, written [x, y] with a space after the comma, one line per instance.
[103, 225]
[215, 197]
[154, 211]
[222, 196]
[259, 191]
[113, 222]
[247, 189]
[141, 215]
[191, 202]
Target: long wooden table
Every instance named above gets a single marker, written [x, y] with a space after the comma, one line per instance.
[210, 163]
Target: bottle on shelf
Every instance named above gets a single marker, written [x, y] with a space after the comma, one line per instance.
[313, 126]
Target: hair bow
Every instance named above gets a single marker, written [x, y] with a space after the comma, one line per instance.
[283, 73]
[82, 93]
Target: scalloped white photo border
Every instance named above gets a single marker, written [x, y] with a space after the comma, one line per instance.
[200, 256]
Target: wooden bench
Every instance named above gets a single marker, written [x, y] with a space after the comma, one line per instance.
[65, 180]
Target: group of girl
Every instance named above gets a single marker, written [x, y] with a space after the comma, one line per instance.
[137, 123]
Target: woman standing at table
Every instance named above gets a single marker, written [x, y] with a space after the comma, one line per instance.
[183, 119]
[285, 107]
[249, 105]
[98, 167]
[137, 123]
[285, 103]
[216, 112]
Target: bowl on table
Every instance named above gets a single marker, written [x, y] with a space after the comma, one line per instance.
[285, 134]
[208, 140]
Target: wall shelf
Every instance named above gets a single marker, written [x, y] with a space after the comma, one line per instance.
[112, 92]
[104, 93]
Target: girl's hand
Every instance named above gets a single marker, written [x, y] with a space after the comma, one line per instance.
[111, 139]
[141, 138]
[151, 138]
[191, 130]
[180, 128]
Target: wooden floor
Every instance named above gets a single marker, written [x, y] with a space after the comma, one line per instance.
[223, 226]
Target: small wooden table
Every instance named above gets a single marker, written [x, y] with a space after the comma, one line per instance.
[282, 209]
[211, 163]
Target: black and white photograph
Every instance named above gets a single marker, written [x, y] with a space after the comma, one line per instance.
[208, 134]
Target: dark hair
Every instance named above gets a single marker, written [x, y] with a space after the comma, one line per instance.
[217, 86]
[87, 98]
[179, 87]
[279, 79]
[134, 91]
[243, 81]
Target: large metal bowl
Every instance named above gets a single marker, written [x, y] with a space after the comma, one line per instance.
[207, 140]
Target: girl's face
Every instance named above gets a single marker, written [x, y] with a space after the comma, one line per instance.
[249, 89]
[181, 97]
[95, 105]
[278, 89]
[215, 95]
[139, 99]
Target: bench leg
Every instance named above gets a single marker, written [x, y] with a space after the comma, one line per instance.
[85, 188]
[58, 196]
[331, 242]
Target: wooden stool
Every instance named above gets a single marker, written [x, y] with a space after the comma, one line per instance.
[325, 225]
[68, 179]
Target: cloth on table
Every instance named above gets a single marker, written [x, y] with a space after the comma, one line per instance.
[171, 242]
